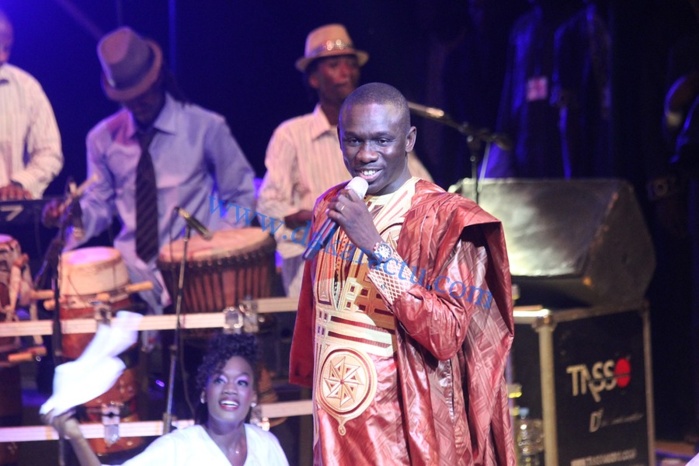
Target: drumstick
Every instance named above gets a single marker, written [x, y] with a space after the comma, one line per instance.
[128, 289]
[50, 304]
[28, 355]
[138, 287]
[41, 295]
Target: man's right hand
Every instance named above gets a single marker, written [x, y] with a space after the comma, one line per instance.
[14, 192]
[52, 212]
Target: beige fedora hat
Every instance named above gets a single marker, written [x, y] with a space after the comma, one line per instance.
[130, 63]
[327, 41]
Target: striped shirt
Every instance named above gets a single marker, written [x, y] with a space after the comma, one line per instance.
[30, 144]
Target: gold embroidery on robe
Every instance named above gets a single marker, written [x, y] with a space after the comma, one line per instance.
[352, 320]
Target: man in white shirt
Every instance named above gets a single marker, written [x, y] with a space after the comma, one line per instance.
[30, 158]
[30, 144]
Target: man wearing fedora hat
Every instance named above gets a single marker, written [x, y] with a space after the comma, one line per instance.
[188, 151]
[303, 156]
[30, 143]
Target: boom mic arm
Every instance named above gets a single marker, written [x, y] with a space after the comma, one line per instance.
[482, 134]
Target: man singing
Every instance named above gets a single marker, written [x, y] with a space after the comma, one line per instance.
[405, 317]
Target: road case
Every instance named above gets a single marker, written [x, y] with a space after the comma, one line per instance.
[586, 372]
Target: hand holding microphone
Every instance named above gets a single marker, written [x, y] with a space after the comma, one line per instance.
[329, 226]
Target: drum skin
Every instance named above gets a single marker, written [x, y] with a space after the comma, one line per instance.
[232, 266]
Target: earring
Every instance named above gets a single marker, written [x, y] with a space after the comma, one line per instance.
[202, 399]
[253, 404]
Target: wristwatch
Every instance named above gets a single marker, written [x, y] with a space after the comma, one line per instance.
[382, 252]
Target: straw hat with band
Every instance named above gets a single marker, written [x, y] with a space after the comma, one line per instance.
[327, 41]
[130, 64]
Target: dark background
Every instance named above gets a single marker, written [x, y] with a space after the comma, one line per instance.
[236, 57]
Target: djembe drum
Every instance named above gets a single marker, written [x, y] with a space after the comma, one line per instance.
[221, 272]
[86, 275]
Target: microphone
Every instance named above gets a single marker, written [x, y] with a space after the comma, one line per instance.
[427, 112]
[194, 223]
[328, 228]
[503, 141]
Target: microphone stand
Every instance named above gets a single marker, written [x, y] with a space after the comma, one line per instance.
[474, 138]
[174, 348]
[48, 274]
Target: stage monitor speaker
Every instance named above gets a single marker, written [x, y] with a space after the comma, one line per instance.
[571, 242]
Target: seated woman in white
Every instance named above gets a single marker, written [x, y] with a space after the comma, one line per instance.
[221, 437]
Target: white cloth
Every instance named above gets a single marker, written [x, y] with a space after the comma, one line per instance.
[192, 446]
[303, 161]
[97, 368]
[30, 144]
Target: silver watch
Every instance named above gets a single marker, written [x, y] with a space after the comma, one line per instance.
[382, 252]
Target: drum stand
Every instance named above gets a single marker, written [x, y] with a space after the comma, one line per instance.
[175, 347]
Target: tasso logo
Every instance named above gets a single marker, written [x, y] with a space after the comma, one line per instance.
[603, 376]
